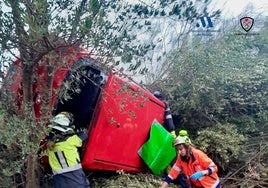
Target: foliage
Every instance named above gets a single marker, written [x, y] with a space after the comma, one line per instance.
[218, 91]
[110, 29]
[251, 165]
[122, 179]
[220, 82]
[38, 30]
[222, 143]
[15, 146]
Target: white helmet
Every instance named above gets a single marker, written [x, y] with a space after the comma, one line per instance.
[61, 122]
[182, 140]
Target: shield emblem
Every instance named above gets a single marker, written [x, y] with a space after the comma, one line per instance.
[247, 23]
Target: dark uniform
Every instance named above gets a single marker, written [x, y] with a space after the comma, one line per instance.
[168, 121]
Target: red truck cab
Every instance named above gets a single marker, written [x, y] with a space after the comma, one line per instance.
[116, 111]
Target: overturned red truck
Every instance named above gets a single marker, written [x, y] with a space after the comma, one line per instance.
[115, 110]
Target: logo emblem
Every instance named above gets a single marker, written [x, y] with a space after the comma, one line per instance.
[207, 24]
[247, 23]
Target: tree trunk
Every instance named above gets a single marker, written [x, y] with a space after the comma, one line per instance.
[32, 168]
[27, 85]
[33, 172]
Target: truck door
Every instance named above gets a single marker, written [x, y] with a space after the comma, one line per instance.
[121, 125]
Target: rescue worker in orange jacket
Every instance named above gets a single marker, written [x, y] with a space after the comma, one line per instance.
[198, 167]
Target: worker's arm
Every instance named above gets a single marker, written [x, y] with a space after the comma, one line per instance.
[206, 163]
[168, 121]
[83, 136]
[173, 174]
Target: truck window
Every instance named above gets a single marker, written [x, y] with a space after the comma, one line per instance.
[80, 91]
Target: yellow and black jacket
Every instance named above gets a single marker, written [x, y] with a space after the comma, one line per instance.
[64, 156]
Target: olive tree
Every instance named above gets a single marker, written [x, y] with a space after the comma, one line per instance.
[32, 32]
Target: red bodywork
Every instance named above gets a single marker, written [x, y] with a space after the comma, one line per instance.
[121, 126]
[118, 125]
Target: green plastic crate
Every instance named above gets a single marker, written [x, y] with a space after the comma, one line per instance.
[158, 151]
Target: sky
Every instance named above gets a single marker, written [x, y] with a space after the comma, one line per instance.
[232, 8]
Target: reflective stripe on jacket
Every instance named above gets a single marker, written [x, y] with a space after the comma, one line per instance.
[198, 161]
[64, 156]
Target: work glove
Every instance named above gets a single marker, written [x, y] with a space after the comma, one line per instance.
[197, 175]
[168, 169]
[173, 134]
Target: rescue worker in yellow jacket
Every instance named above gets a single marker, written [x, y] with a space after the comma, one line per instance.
[63, 153]
[200, 170]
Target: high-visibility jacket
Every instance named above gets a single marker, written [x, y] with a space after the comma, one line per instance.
[198, 161]
[64, 156]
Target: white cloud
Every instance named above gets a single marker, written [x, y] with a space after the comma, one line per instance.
[233, 8]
